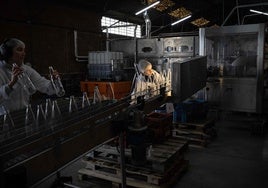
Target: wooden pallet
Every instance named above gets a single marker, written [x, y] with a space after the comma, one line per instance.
[198, 134]
[165, 161]
[161, 155]
[137, 177]
[194, 142]
[201, 125]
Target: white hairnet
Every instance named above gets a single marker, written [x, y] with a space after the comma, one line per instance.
[143, 64]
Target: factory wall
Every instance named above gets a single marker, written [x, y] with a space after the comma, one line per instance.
[47, 30]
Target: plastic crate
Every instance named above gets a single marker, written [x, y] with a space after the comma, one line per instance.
[160, 125]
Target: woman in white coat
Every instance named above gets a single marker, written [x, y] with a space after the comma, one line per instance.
[15, 75]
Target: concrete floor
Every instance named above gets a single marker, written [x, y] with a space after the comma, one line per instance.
[236, 158]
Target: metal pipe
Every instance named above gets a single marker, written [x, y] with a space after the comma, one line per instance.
[107, 40]
[147, 24]
[249, 15]
[237, 12]
[136, 47]
[161, 27]
[77, 57]
[122, 159]
[107, 34]
[241, 6]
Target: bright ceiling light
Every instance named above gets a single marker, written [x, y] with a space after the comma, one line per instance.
[146, 8]
[174, 23]
[258, 12]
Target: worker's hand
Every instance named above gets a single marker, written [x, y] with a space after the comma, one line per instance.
[16, 71]
[55, 74]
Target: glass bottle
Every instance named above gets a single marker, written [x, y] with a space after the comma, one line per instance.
[56, 83]
[28, 85]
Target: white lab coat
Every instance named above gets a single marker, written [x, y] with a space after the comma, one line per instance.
[17, 98]
[147, 86]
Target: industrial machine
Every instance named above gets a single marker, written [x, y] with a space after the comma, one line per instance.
[159, 50]
[235, 56]
[44, 137]
[169, 54]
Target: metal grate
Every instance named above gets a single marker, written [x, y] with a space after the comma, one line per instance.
[180, 13]
[200, 22]
[163, 5]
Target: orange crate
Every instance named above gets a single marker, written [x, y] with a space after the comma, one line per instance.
[121, 89]
[83, 86]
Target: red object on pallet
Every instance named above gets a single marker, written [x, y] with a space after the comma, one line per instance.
[160, 125]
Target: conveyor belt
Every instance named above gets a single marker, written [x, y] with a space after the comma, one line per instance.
[56, 141]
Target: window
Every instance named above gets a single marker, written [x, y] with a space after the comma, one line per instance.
[120, 28]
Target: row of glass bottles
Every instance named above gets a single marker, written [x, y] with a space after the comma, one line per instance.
[29, 87]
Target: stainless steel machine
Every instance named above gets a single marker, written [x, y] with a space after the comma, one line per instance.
[235, 57]
[158, 50]
[172, 54]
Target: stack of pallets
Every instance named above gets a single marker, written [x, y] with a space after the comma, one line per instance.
[198, 133]
[165, 164]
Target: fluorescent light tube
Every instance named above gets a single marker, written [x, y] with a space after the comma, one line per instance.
[146, 8]
[258, 12]
[174, 23]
